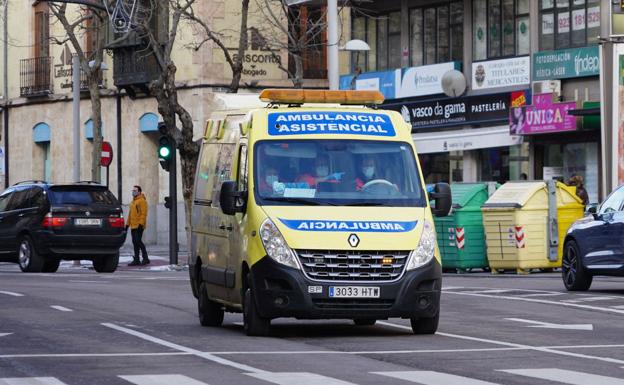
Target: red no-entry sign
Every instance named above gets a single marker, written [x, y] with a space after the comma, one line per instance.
[107, 154]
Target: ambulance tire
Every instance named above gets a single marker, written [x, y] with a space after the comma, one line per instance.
[364, 321]
[253, 324]
[425, 325]
[210, 312]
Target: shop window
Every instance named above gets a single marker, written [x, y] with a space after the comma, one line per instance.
[568, 23]
[501, 28]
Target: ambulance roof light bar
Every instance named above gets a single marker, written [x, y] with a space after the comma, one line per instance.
[298, 96]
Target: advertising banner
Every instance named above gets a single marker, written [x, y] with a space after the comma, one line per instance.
[543, 116]
[566, 63]
[501, 73]
[383, 81]
[448, 112]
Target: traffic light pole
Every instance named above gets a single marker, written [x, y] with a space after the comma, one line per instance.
[173, 211]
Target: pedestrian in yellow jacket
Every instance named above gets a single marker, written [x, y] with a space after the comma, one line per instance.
[137, 222]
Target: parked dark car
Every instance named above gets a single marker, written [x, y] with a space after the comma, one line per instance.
[41, 224]
[594, 245]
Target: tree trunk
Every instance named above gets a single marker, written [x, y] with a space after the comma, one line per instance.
[237, 69]
[96, 118]
[298, 80]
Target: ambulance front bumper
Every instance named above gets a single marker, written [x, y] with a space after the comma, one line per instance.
[281, 291]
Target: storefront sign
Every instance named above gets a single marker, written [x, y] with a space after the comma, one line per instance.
[543, 116]
[566, 63]
[463, 140]
[501, 73]
[445, 112]
[401, 83]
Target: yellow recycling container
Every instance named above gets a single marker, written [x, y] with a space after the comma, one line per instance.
[525, 224]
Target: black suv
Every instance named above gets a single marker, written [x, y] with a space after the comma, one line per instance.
[42, 223]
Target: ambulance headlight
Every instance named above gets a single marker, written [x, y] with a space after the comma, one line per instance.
[276, 246]
[426, 248]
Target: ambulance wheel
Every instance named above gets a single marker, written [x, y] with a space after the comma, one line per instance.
[425, 325]
[575, 277]
[253, 324]
[210, 312]
[364, 321]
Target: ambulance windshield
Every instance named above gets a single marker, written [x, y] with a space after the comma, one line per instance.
[337, 173]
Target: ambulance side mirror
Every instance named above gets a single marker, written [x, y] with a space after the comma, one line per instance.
[231, 200]
[443, 199]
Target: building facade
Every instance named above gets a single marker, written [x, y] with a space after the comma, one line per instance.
[36, 138]
[531, 109]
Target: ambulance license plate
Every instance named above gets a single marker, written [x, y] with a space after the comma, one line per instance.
[354, 292]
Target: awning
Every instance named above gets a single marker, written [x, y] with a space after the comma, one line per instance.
[468, 139]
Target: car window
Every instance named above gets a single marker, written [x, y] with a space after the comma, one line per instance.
[4, 200]
[20, 200]
[81, 196]
[37, 197]
[613, 202]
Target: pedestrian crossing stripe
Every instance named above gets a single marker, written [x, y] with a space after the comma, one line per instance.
[424, 377]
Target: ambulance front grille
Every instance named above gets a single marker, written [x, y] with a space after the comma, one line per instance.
[347, 265]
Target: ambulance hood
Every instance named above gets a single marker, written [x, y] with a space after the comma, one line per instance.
[329, 227]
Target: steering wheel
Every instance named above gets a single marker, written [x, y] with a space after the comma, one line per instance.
[380, 184]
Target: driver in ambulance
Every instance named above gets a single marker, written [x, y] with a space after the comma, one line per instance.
[366, 173]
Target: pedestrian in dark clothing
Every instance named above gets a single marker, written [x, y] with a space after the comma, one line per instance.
[577, 181]
[137, 221]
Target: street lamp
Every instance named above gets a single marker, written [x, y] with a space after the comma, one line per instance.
[356, 45]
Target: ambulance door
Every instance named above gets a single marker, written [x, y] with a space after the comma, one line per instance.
[218, 229]
[238, 223]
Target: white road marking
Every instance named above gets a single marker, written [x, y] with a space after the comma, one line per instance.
[554, 293]
[13, 294]
[301, 378]
[171, 345]
[542, 301]
[5, 334]
[566, 376]
[433, 378]
[162, 379]
[511, 344]
[31, 381]
[69, 355]
[452, 287]
[491, 291]
[76, 281]
[60, 308]
[590, 299]
[548, 325]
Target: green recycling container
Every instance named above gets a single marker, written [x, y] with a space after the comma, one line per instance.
[461, 237]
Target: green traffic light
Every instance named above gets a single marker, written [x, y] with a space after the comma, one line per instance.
[164, 152]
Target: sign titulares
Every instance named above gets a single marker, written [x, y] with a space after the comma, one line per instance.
[501, 73]
[543, 116]
[566, 63]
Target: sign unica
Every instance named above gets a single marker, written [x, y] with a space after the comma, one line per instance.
[566, 63]
[543, 116]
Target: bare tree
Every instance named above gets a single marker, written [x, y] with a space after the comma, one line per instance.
[293, 29]
[87, 21]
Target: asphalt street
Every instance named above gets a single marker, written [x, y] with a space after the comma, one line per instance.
[141, 327]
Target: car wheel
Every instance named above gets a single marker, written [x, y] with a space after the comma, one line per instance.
[28, 258]
[428, 325]
[51, 265]
[253, 324]
[194, 283]
[364, 321]
[575, 277]
[106, 264]
[210, 312]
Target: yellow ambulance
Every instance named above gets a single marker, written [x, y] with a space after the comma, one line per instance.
[314, 207]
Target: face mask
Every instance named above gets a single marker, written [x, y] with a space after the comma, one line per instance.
[322, 171]
[270, 179]
[368, 171]
[135, 193]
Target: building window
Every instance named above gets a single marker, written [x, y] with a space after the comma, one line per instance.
[307, 23]
[568, 23]
[501, 28]
[436, 33]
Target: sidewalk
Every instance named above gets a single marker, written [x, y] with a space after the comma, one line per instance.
[158, 255]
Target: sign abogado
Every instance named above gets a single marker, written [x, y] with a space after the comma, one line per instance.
[501, 73]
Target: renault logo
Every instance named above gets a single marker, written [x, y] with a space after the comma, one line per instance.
[354, 240]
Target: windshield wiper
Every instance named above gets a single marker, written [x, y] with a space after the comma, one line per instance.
[299, 200]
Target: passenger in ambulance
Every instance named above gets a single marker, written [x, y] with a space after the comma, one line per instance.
[321, 173]
[268, 181]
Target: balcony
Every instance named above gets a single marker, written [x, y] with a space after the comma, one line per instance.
[36, 77]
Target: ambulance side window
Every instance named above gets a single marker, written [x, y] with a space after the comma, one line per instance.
[205, 173]
[223, 170]
[242, 168]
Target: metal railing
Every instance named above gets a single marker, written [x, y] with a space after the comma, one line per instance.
[36, 76]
